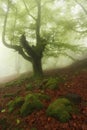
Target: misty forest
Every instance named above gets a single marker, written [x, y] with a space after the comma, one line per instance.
[43, 65]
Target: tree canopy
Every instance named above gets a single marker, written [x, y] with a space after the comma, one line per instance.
[40, 28]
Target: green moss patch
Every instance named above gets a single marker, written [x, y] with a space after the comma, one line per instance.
[60, 109]
[26, 105]
[31, 103]
[52, 83]
[16, 103]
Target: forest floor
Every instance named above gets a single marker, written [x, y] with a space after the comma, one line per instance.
[75, 82]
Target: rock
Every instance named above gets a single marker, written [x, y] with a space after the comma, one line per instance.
[75, 98]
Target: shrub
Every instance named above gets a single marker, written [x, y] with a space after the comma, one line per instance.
[60, 109]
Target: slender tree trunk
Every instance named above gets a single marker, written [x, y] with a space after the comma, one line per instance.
[37, 67]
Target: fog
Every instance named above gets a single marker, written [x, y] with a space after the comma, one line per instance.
[12, 64]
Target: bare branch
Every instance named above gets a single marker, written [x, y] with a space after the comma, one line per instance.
[81, 6]
[14, 26]
[38, 22]
[67, 55]
[28, 11]
[15, 47]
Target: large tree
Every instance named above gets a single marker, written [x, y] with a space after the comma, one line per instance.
[33, 28]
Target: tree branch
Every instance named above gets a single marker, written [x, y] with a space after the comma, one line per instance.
[20, 51]
[26, 46]
[38, 22]
[14, 26]
[28, 11]
[67, 55]
[81, 6]
[15, 47]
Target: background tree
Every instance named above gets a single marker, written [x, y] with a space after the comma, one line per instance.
[38, 28]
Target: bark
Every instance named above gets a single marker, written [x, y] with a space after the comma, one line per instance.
[37, 67]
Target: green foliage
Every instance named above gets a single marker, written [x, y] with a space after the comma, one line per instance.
[60, 109]
[31, 103]
[17, 103]
[55, 27]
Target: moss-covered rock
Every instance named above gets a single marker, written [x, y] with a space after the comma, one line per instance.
[60, 109]
[64, 117]
[17, 103]
[31, 103]
[52, 83]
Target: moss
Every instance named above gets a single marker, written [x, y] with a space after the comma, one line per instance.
[15, 104]
[31, 103]
[52, 83]
[64, 117]
[42, 96]
[29, 87]
[60, 109]
[62, 101]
